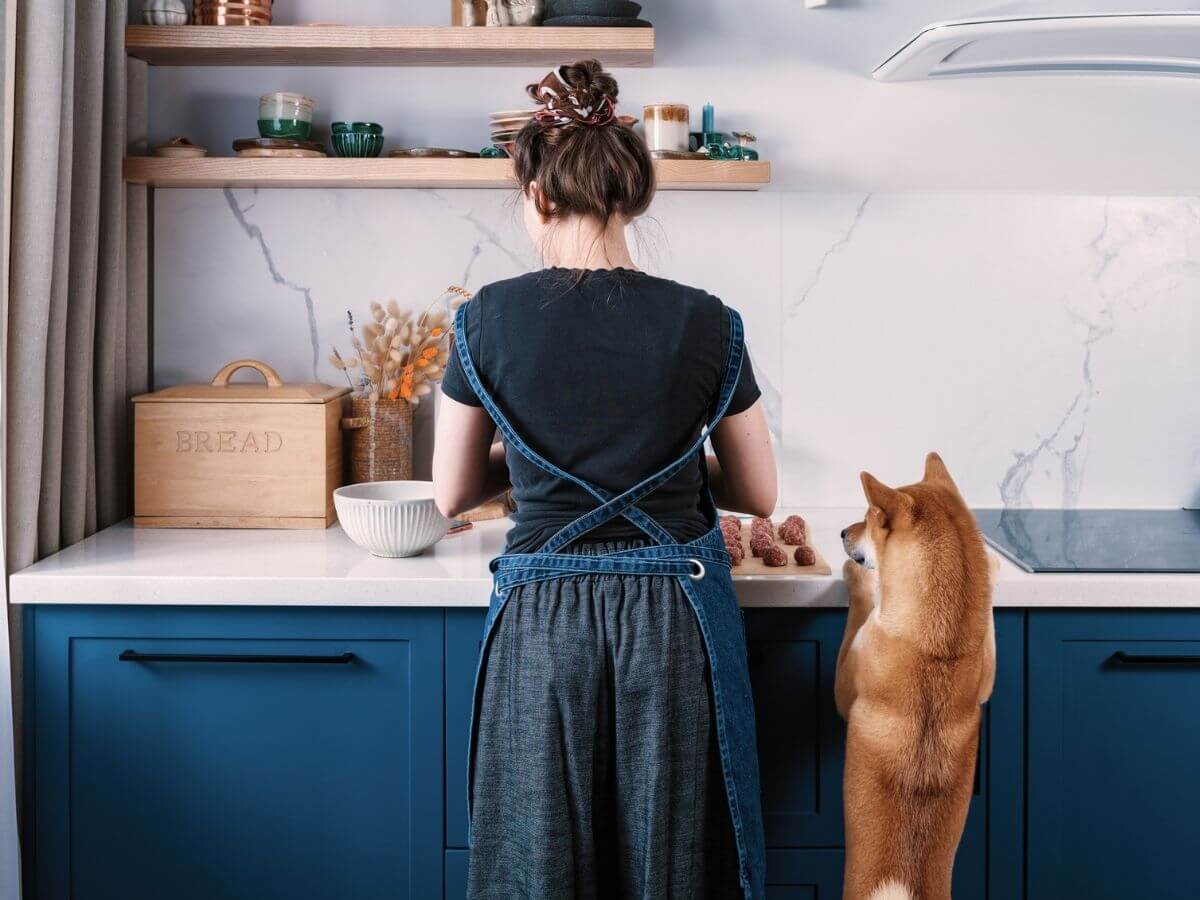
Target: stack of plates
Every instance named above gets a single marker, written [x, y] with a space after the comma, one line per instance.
[594, 14]
[505, 124]
[231, 12]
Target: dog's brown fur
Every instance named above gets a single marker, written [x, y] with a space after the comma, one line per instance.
[917, 660]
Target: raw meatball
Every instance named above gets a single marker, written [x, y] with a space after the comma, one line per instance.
[793, 531]
[760, 543]
[806, 555]
[730, 520]
[765, 524]
[774, 557]
[731, 530]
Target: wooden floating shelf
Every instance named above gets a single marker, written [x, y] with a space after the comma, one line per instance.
[378, 45]
[233, 171]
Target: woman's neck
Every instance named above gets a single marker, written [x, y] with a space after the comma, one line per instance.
[580, 242]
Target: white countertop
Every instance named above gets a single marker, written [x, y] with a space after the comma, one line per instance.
[124, 565]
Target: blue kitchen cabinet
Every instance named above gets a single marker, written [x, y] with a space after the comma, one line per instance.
[1114, 739]
[236, 753]
[801, 739]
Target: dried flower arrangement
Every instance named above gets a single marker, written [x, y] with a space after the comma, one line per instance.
[397, 356]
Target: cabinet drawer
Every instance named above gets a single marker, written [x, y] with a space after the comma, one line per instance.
[1114, 735]
[200, 754]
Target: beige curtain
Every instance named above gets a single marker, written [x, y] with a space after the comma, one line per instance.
[10, 854]
[78, 324]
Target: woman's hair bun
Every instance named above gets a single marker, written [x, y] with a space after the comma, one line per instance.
[583, 159]
[590, 81]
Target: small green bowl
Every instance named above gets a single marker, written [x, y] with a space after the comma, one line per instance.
[285, 128]
[356, 128]
[356, 144]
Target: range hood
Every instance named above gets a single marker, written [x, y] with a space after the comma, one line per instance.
[1155, 43]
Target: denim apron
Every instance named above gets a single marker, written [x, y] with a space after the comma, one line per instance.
[702, 568]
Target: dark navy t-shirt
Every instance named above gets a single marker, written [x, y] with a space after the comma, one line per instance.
[609, 375]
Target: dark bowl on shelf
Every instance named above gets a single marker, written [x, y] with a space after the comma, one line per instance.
[621, 9]
[358, 144]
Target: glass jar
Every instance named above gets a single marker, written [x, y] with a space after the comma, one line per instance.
[666, 126]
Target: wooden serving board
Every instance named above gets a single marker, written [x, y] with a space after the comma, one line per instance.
[752, 565]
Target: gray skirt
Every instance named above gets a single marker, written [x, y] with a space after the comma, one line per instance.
[597, 773]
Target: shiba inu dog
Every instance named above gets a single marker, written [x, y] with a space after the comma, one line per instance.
[917, 660]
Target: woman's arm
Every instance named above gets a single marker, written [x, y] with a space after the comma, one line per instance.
[742, 475]
[468, 468]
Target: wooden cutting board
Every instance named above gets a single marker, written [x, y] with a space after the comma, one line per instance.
[752, 565]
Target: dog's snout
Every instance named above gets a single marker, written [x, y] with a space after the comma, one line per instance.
[844, 530]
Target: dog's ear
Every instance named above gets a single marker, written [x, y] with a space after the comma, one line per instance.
[936, 471]
[889, 500]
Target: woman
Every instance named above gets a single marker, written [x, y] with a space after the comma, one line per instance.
[613, 746]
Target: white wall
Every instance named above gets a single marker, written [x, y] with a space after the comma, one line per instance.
[1002, 269]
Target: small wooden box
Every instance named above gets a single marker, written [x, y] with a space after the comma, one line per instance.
[224, 455]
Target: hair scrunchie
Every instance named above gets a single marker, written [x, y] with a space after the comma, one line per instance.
[562, 104]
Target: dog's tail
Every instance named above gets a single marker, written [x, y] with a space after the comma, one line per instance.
[891, 890]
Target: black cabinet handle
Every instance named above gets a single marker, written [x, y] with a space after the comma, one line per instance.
[304, 659]
[1155, 660]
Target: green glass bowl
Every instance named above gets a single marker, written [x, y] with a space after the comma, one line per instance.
[356, 128]
[356, 144]
[285, 128]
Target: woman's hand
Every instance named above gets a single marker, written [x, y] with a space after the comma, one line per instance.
[468, 468]
[742, 476]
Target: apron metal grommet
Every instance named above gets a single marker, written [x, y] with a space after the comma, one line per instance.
[700, 570]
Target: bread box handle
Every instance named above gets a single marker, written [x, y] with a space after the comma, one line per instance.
[221, 379]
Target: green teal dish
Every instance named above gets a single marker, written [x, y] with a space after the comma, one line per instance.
[356, 144]
[285, 128]
[356, 128]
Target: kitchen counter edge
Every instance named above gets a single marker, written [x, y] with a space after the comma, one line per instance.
[125, 566]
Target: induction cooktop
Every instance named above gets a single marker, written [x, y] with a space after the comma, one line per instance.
[1095, 540]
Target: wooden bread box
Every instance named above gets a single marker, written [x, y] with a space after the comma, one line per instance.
[242, 455]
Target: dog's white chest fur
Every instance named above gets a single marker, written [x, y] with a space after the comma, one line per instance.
[863, 636]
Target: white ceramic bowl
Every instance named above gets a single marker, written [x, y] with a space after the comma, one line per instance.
[390, 518]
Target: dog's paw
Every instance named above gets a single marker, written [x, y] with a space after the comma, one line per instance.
[993, 567]
[857, 575]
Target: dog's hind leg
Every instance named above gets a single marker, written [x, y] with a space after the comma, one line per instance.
[875, 844]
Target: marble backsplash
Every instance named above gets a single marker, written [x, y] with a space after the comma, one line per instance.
[1045, 345]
